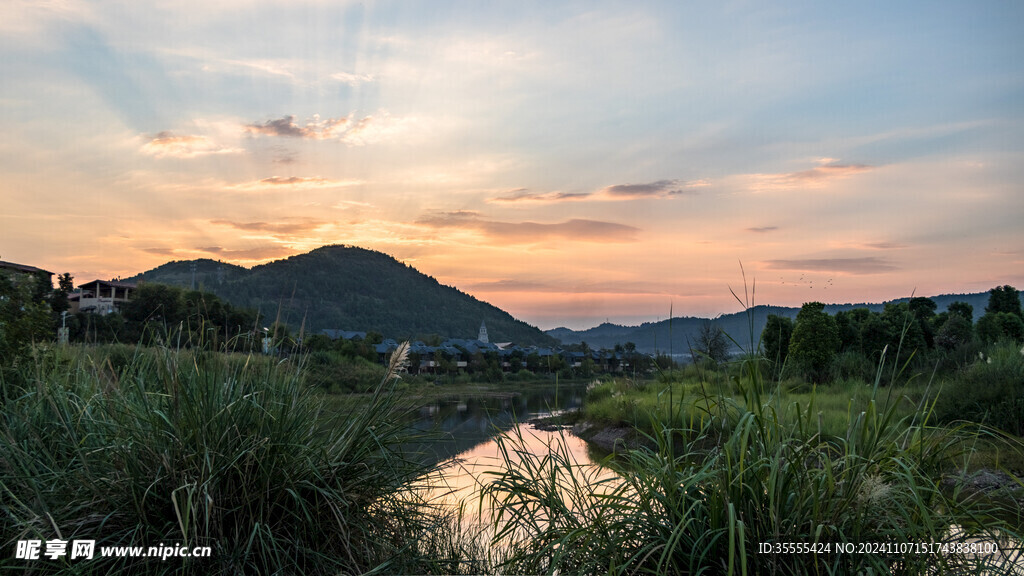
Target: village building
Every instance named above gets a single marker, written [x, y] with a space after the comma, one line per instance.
[101, 296]
[20, 272]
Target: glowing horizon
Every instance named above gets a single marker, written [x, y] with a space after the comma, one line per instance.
[569, 164]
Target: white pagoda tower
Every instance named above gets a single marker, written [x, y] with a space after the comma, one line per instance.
[483, 333]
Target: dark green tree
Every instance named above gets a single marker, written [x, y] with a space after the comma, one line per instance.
[849, 323]
[996, 326]
[156, 303]
[923, 310]
[963, 310]
[814, 342]
[875, 335]
[954, 333]
[1004, 299]
[775, 341]
[1002, 319]
[25, 317]
[59, 300]
[907, 336]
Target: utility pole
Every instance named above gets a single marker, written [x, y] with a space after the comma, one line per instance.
[62, 334]
[192, 266]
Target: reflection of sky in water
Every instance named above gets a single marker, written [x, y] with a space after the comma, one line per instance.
[467, 472]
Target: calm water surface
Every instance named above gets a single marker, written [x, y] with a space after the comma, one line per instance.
[467, 430]
[464, 431]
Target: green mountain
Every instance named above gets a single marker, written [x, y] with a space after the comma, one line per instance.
[349, 288]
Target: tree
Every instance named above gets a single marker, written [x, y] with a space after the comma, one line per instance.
[59, 300]
[849, 330]
[954, 333]
[996, 326]
[711, 344]
[1003, 319]
[923, 310]
[963, 310]
[25, 318]
[875, 335]
[156, 302]
[814, 342]
[906, 334]
[775, 341]
[1004, 299]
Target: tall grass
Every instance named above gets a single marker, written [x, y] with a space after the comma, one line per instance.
[755, 470]
[201, 449]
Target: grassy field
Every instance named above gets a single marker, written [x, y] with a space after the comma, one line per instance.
[735, 462]
[145, 446]
[142, 447]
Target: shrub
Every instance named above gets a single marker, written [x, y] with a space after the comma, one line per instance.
[991, 390]
[851, 365]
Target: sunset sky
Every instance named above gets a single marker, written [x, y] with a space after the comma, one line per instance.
[569, 162]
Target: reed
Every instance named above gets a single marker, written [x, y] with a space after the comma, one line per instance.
[755, 470]
[204, 449]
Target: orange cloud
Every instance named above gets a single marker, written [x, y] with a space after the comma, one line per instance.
[531, 232]
[294, 182]
[283, 227]
[167, 144]
[813, 178]
[524, 196]
[249, 254]
[866, 265]
[658, 189]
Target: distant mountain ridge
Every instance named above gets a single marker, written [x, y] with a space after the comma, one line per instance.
[349, 288]
[675, 337]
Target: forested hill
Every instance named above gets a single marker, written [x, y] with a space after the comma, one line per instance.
[662, 336]
[349, 288]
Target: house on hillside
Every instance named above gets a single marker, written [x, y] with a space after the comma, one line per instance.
[101, 296]
[21, 272]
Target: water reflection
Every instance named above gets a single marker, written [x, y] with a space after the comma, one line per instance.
[464, 434]
[455, 426]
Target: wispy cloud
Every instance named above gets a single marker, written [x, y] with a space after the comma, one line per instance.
[817, 177]
[315, 129]
[658, 189]
[865, 265]
[525, 196]
[249, 254]
[885, 245]
[566, 287]
[295, 183]
[577, 229]
[352, 79]
[762, 229]
[354, 132]
[285, 226]
[167, 144]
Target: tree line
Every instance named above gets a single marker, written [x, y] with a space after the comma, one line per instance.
[816, 346]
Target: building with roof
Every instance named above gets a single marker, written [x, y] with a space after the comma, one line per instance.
[16, 272]
[102, 296]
